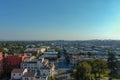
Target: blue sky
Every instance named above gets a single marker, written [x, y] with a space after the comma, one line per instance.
[59, 19]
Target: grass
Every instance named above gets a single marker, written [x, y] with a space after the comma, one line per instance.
[115, 79]
[105, 76]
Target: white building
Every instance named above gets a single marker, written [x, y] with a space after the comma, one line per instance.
[24, 74]
[41, 66]
[17, 74]
[31, 66]
[50, 55]
[35, 50]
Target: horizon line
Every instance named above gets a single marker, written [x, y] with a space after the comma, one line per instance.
[67, 40]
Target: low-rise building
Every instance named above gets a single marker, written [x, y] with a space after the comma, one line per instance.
[1, 63]
[24, 74]
[34, 64]
[13, 61]
[40, 66]
[29, 76]
[35, 50]
[50, 55]
[17, 74]
[31, 66]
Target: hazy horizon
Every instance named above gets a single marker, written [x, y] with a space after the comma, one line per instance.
[59, 20]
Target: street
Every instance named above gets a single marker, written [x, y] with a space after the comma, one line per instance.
[62, 68]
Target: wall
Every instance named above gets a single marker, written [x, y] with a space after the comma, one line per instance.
[16, 76]
[1, 63]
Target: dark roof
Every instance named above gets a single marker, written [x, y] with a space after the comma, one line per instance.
[29, 62]
[17, 71]
[29, 74]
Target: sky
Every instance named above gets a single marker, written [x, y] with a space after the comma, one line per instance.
[59, 19]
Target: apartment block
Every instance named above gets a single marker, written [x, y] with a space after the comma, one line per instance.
[13, 61]
[1, 63]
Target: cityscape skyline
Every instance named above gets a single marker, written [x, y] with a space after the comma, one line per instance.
[59, 20]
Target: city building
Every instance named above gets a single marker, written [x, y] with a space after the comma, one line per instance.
[17, 74]
[13, 61]
[35, 50]
[1, 63]
[29, 76]
[50, 55]
[31, 66]
[41, 66]
[34, 64]
[24, 74]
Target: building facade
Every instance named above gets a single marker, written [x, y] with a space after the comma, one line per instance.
[1, 63]
[13, 61]
[17, 74]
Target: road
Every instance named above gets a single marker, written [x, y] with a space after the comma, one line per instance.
[63, 67]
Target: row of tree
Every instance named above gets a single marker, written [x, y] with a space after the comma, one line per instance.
[59, 52]
[12, 47]
[113, 65]
[67, 56]
[86, 69]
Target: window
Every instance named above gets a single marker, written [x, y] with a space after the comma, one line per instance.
[28, 67]
[24, 64]
[32, 67]
[26, 79]
[33, 70]
[13, 74]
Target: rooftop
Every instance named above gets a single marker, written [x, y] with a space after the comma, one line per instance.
[29, 74]
[17, 71]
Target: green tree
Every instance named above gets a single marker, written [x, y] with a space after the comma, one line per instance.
[98, 66]
[112, 63]
[90, 54]
[82, 53]
[4, 51]
[93, 64]
[101, 66]
[83, 71]
[59, 55]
